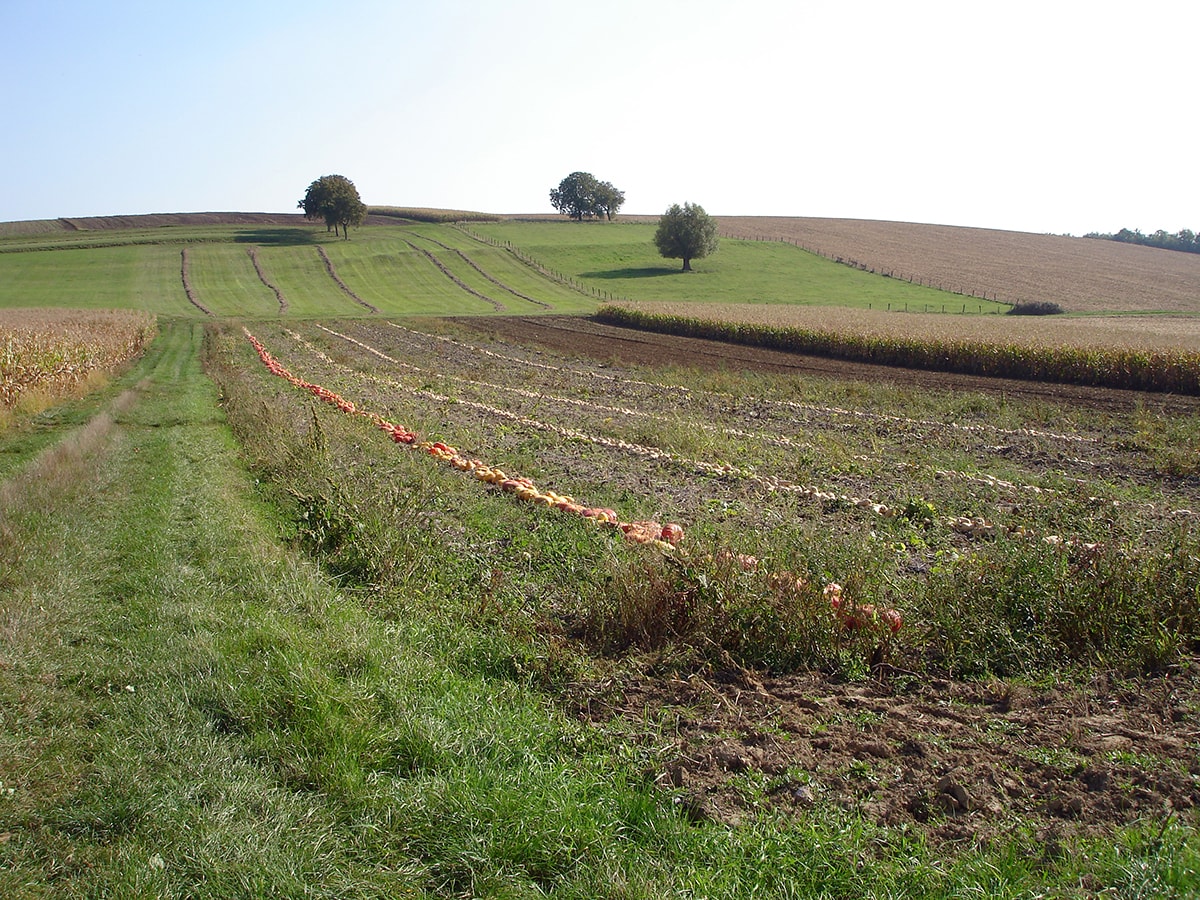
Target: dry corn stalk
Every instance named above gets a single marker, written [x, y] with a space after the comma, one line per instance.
[54, 350]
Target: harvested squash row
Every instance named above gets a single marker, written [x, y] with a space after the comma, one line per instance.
[639, 532]
[849, 615]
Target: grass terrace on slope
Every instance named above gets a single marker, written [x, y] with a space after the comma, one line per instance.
[619, 258]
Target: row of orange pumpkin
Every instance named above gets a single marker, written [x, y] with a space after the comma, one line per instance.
[850, 615]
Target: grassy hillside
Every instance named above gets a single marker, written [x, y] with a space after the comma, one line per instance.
[620, 259]
[268, 270]
[1080, 274]
[422, 268]
[264, 631]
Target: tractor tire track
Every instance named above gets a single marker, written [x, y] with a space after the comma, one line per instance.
[334, 275]
[262, 276]
[474, 265]
[187, 284]
[499, 307]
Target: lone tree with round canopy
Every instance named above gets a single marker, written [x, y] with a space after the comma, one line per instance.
[335, 199]
[686, 232]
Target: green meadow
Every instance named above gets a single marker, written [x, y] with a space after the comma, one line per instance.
[388, 268]
[559, 267]
[620, 258]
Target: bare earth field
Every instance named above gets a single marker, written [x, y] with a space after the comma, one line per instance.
[1080, 274]
[960, 761]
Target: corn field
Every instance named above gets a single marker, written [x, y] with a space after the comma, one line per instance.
[53, 351]
[1128, 367]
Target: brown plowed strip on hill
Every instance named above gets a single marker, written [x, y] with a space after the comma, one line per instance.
[583, 337]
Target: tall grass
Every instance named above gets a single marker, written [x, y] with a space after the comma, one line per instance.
[425, 214]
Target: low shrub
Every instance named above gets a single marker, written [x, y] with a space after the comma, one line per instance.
[1035, 308]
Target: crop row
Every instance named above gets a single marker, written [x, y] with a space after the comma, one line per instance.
[523, 488]
[725, 415]
[761, 549]
[973, 525]
[54, 350]
[789, 406]
[845, 610]
[1173, 371]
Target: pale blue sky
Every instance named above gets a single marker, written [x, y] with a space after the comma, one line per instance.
[1061, 117]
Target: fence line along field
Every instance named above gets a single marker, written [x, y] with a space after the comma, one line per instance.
[47, 354]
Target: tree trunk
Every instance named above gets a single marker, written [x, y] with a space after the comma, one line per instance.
[687, 264]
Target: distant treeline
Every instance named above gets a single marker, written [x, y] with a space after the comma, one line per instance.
[1185, 240]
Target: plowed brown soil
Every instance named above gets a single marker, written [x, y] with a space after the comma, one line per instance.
[957, 761]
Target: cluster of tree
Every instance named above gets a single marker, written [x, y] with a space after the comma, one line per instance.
[335, 199]
[581, 196]
[1185, 240]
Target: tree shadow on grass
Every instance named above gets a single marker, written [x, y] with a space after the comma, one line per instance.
[645, 272]
[280, 236]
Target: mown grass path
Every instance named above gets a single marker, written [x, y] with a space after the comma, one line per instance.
[191, 709]
[140, 580]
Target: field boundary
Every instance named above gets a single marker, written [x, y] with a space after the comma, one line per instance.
[883, 271]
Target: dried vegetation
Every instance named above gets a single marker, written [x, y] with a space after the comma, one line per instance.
[48, 353]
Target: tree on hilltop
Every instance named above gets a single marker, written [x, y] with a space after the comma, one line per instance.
[580, 195]
[335, 199]
[608, 200]
[686, 232]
